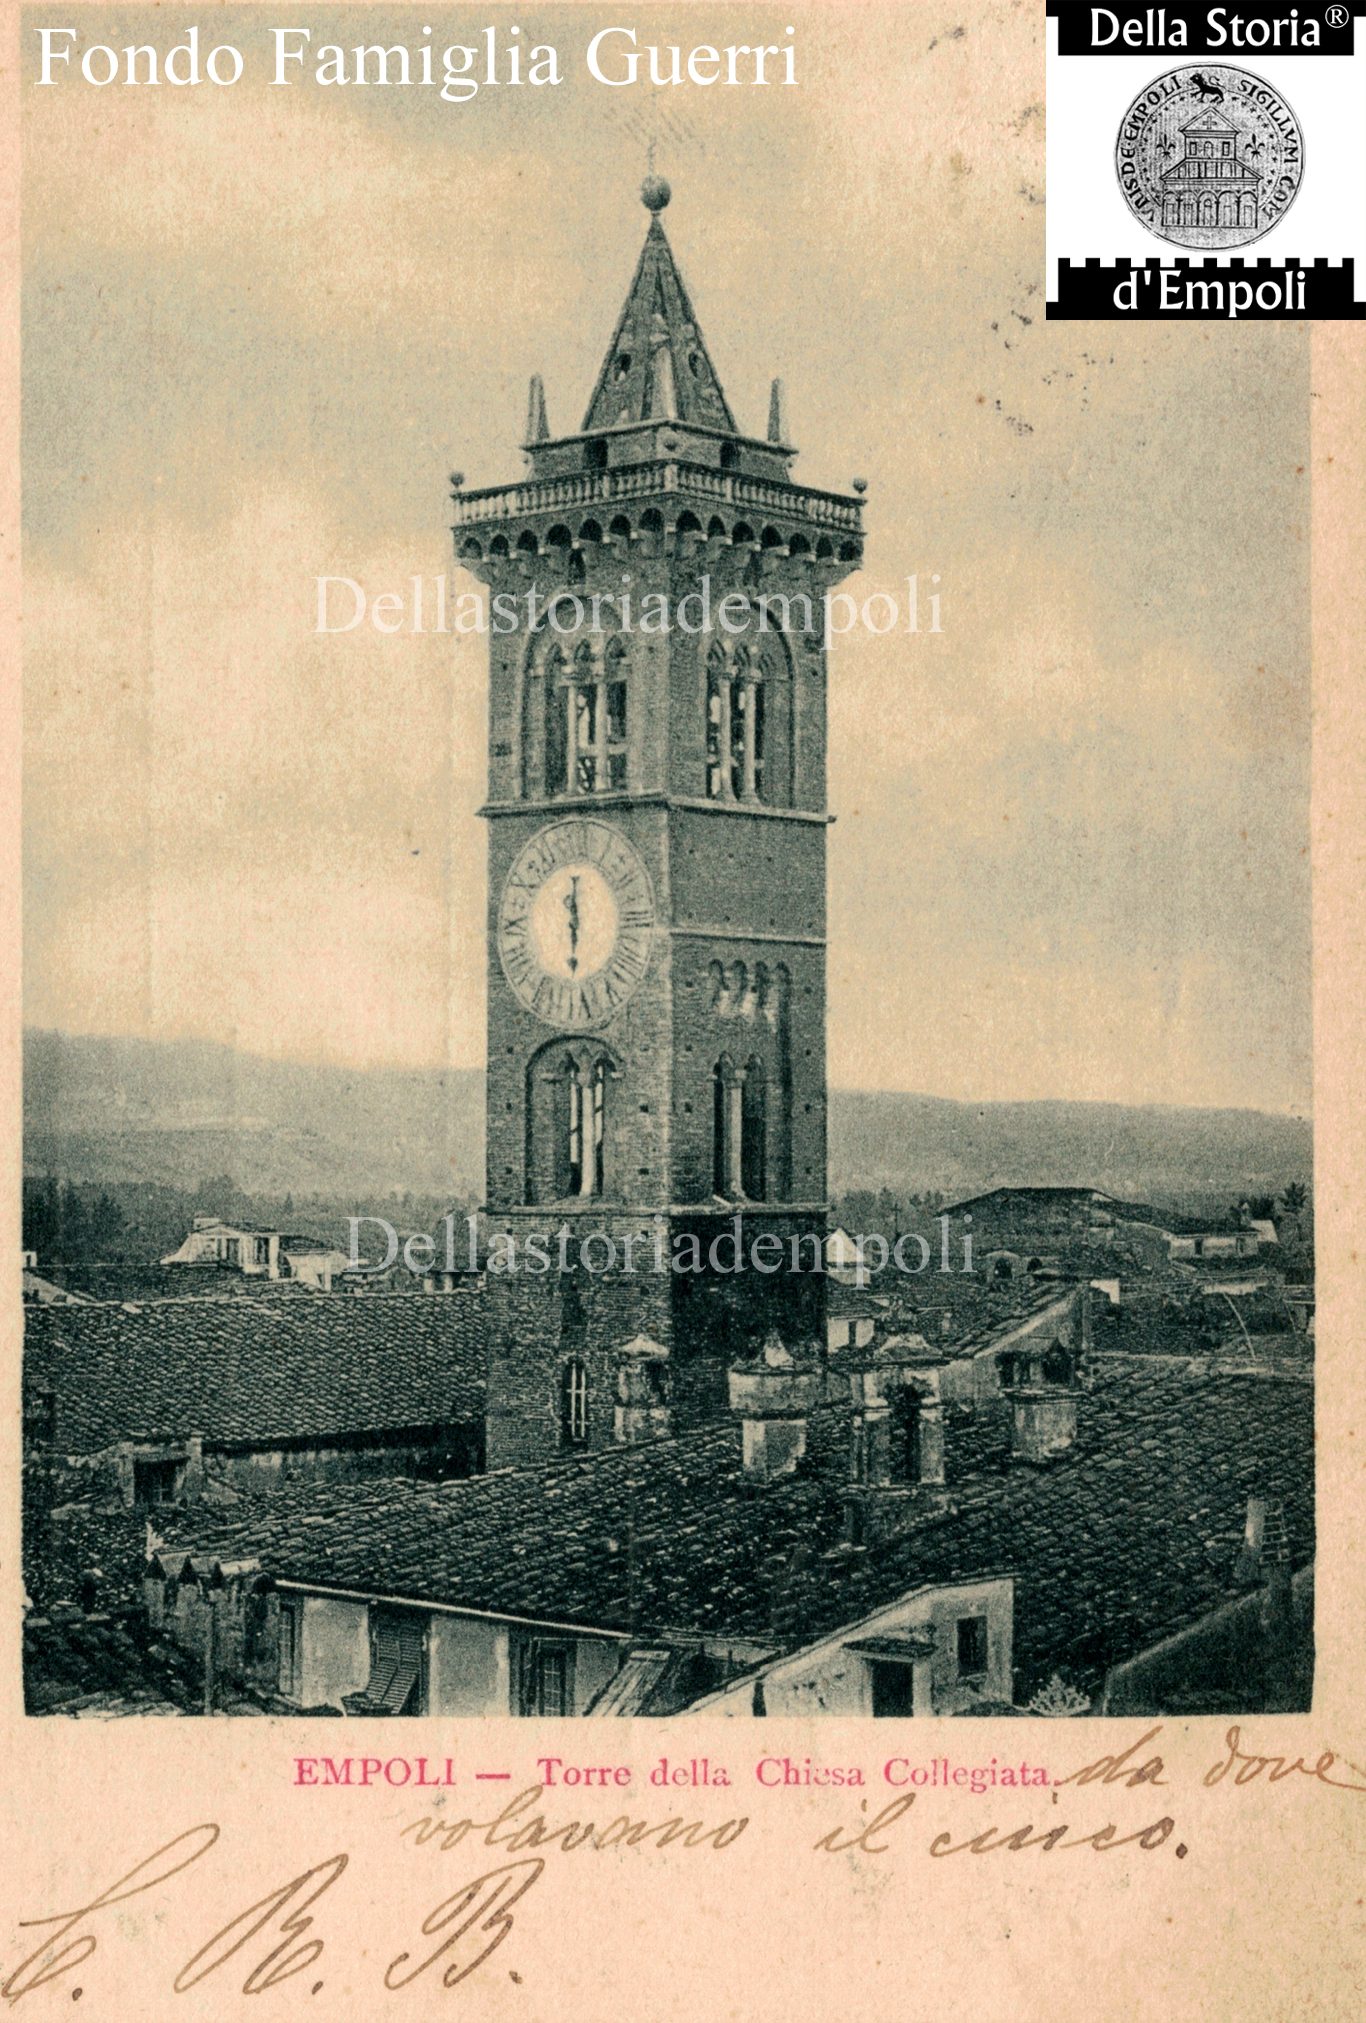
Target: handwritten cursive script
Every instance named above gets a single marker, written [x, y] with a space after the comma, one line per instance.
[520, 1825]
[69, 1946]
[488, 1898]
[1247, 1767]
[275, 1932]
[280, 1963]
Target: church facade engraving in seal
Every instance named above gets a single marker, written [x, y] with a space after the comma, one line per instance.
[1209, 158]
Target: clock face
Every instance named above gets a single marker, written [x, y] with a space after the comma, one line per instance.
[576, 923]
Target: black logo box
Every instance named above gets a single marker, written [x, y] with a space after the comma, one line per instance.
[1310, 290]
[1084, 30]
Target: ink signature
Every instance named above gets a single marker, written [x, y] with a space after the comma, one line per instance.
[275, 1933]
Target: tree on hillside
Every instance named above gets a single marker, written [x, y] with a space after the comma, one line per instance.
[108, 1227]
[42, 1217]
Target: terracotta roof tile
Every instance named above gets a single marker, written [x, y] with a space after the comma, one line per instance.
[1133, 1533]
[254, 1372]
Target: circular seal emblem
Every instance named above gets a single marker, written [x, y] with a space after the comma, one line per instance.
[1209, 158]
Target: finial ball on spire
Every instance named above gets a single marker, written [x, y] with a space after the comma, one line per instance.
[655, 193]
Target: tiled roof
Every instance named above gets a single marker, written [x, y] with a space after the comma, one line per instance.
[255, 1372]
[1022, 1195]
[963, 1312]
[104, 1665]
[110, 1663]
[1132, 1534]
[138, 1283]
[66, 1544]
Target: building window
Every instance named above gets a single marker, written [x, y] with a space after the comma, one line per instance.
[291, 1649]
[754, 1133]
[574, 1403]
[545, 1677]
[728, 1094]
[255, 1618]
[587, 1120]
[972, 1647]
[156, 1480]
[739, 1142]
[737, 713]
[586, 721]
[893, 1689]
[595, 455]
[567, 1088]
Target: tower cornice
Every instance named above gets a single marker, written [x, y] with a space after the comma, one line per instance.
[587, 804]
[690, 483]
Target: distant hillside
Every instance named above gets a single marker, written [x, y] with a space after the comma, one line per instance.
[185, 1111]
[1147, 1152]
[180, 1113]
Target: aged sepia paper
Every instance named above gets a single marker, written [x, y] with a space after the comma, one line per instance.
[681, 858]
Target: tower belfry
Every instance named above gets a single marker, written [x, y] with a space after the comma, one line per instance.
[656, 917]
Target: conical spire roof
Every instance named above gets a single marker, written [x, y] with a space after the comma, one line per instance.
[657, 366]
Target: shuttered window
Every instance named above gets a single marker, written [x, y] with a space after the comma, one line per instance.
[396, 1651]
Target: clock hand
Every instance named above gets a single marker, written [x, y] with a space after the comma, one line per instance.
[572, 908]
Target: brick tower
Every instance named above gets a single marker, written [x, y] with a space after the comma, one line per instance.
[656, 900]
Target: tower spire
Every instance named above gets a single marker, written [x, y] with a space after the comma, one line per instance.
[657, 366]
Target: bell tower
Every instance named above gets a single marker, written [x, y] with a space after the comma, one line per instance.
[656, 902]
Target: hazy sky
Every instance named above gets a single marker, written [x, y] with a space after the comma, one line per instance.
[262, 325]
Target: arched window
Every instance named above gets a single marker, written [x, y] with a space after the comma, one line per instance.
[586, 739]
[567, 1115]
[574, 1403]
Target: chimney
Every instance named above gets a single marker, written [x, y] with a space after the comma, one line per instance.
[896, 1452]
[642, 1408]
[1264, 1562]
[1043, 1401]
[898, 1435]
[1044, 1422]
[1247, 1569]
[773, 1395]
[1285, 1654]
